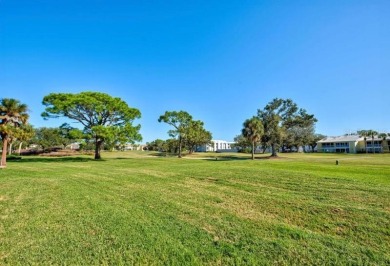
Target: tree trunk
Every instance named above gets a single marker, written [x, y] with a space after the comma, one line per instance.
[3, 162]
[365, 144]
[372, 144]
[253, 150]
[264, 147]
[180, 140]
[20, 148]
[274, 154]
[10, 148]
[385, 147]
[98, 144]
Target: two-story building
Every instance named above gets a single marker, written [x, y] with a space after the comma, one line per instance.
[353, 144]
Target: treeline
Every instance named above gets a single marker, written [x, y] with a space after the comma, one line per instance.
[187, 134]
[280, 126]
[108, 124]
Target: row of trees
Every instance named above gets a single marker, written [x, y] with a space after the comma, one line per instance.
[188, 132]
[370, 133]
[280, 124]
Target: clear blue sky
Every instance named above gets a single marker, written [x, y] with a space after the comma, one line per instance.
[218, 60]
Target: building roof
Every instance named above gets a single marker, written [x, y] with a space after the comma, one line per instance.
[348, 138]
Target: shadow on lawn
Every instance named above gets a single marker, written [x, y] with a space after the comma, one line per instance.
[241, 158]
[55, 159]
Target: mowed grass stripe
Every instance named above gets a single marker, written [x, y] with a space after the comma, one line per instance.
[169, 211]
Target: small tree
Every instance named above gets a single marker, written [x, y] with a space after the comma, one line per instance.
[102, 115]
[313, 142]
[241, 143]
[48, 137]
[24, 134]
[253, 131]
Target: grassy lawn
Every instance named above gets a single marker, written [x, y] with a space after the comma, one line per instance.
[133, 208]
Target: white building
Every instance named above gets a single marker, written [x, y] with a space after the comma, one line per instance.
[217, 146]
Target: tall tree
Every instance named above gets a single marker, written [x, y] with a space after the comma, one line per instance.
[280, 115]
[197, 135]
[364, 133]
[372, 134]
[253, 130]
[368, 133]
[385, 146]
[13, 114]
[180, 121]
[299, 136]
[102, 115]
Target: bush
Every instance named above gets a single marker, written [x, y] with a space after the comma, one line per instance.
[13, 158]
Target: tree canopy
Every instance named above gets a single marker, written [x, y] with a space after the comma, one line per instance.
[189, 132]
[104, 117]
[180, 121]
[253, 130]
[368, 133]
[197, 135]
[281, 116]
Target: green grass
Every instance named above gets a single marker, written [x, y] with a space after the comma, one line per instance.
[133, 208]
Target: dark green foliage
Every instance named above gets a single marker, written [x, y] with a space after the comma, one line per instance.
[180, 121]
[189, 132]
[253, 131]
[197, 135]
[105, 118]
[48, 138]
[283, 120]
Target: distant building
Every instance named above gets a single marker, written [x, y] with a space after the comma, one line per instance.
[134, 147]
[73, 146]
[217, 146]
[353, 144]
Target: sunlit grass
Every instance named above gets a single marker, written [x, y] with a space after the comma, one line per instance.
[142, 208]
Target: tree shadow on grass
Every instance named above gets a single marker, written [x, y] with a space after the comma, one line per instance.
[55, 159]
[241, 158]
[227, 158]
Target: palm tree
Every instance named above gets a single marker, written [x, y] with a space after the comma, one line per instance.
[372, 134]
[383, 136]
[364, 133]
[12, 114]
[253, 131]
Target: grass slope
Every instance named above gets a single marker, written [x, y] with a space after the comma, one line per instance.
[133, 209]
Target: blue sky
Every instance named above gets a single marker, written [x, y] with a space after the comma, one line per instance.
[218, 60]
